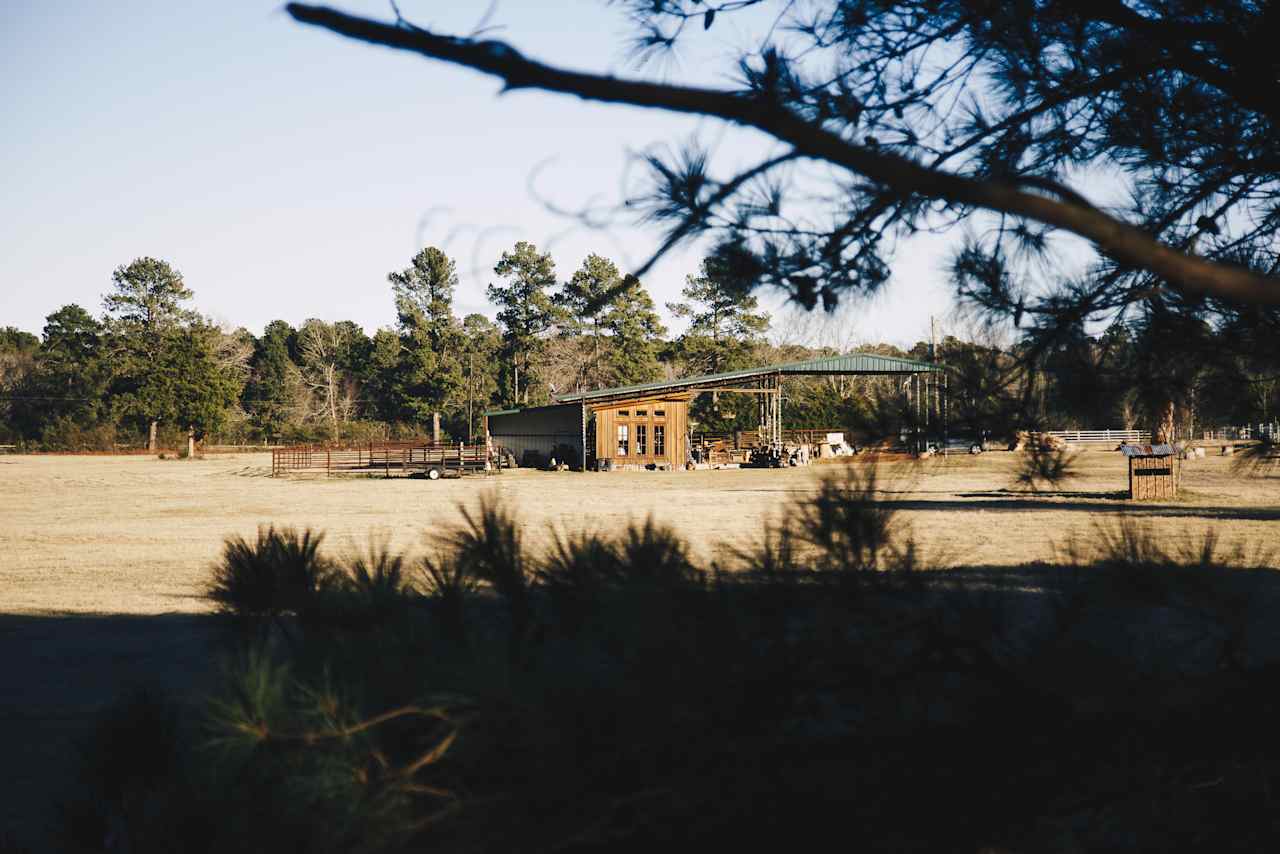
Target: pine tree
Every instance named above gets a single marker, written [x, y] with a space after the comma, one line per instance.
[615, 316]
[145, 315]
[525, 312]
[275, 391]
[635, 335]
[429, 376]
[724, 330]
[724, 326]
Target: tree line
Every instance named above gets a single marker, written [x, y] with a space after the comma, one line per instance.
[151, 370]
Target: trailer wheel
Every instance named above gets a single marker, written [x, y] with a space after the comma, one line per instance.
[433, 473]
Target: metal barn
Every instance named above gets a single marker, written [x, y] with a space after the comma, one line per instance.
[616, 433]
[537, 434]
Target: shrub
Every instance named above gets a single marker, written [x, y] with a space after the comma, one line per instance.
[132, 791]
[1045, 467]
[848, 528]
[612, 694]
[448, 585]
[280, 573]
[66, 434]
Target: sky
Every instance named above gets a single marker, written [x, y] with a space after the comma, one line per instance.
[285, 171]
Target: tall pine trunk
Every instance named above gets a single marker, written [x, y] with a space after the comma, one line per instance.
[1162, 428]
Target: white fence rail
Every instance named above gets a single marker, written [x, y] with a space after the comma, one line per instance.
[1139, 437]
[1268, 430]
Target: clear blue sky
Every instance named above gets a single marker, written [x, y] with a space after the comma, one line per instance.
[286, 171]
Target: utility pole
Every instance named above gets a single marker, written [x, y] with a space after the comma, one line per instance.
[470, 377]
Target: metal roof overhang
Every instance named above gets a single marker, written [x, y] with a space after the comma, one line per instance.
[856, 364]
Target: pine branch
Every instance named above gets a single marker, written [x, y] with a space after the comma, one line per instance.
[1125, 243]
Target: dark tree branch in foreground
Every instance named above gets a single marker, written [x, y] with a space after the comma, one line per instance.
[900, 176]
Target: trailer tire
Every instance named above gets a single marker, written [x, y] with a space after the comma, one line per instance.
[433, 473]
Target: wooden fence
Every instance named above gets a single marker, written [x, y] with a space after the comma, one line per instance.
[389, 459]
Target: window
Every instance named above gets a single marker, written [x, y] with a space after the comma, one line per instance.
[659, 413]
[659, 440]
[642, 413]
[624, 445]
[640, 443]
[624, 413]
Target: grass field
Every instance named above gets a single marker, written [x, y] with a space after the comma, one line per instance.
[135, 535]
[103, 559]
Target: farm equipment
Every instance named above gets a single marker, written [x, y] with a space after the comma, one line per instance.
[424, 460]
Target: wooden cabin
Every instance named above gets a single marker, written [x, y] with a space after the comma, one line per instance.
[643, 434]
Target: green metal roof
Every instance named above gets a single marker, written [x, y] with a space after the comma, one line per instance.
[512, 411]
[849, 363]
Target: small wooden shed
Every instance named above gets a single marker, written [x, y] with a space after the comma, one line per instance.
[1153, 471]
[642, 433]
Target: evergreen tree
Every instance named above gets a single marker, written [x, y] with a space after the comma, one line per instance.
[197, 385]
[482, 347]
[424, 298]
[429, 377]
[616, 318]
[383, 388]
[724, 326]
[18, 353]
[72, 374]
[635, 335]
[525, 311]
[145, 315]
[724, 330]
[583, 301]
[274, 394]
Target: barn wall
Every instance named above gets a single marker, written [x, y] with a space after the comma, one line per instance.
[539, 429]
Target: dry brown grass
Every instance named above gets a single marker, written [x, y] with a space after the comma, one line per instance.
[135, 535]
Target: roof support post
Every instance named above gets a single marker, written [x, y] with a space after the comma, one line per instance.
[945, 403]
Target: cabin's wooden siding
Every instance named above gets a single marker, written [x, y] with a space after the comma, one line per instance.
[674, 421]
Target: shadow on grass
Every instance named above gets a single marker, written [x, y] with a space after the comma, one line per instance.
[1004, 503]
[60, 672]
[614, 695]
[1112, 495]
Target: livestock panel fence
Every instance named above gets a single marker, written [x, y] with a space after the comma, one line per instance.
[388, 459]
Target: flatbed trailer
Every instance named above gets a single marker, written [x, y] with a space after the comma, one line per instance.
[388, 459]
